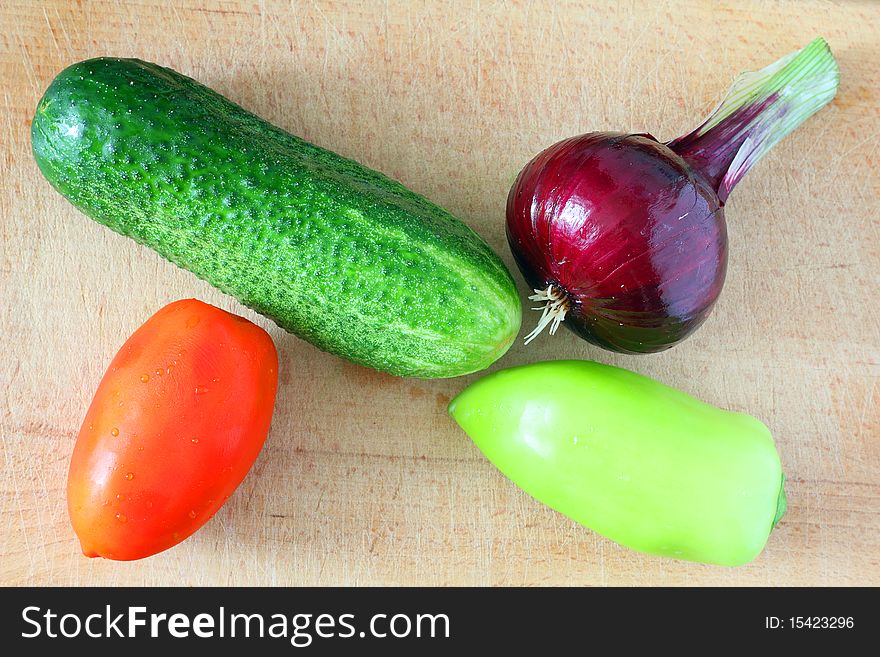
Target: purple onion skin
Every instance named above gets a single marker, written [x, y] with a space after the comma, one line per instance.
[628, 231]
[623, 237]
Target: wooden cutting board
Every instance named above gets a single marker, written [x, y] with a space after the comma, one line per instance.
[364, 479]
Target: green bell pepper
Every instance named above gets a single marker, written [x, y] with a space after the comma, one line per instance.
[638, 462]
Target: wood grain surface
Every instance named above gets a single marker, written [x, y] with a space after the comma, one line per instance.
[364, 479]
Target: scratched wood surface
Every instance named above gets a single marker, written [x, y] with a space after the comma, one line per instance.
[364, 480]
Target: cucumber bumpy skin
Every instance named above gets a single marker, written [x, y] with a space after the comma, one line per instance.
[336, 253]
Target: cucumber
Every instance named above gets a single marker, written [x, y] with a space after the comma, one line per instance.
[333, 252]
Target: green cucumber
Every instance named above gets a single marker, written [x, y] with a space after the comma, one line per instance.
[333, 252]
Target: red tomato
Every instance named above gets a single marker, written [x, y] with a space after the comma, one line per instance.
[175, 425]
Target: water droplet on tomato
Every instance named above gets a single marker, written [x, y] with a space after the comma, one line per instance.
[159, 371]
[194, 440]
[114, 432]
[120, 497]
[191, 514]
[145, 378]
[129, 476]
[200, 390]
[121, 517]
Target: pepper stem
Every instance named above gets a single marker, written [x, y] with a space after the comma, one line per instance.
[781, 503]
[554, 310]
[759, 110]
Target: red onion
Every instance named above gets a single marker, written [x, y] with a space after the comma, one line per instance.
[623, 237]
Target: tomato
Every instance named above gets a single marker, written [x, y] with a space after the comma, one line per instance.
[176, 423]
[641, 463]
